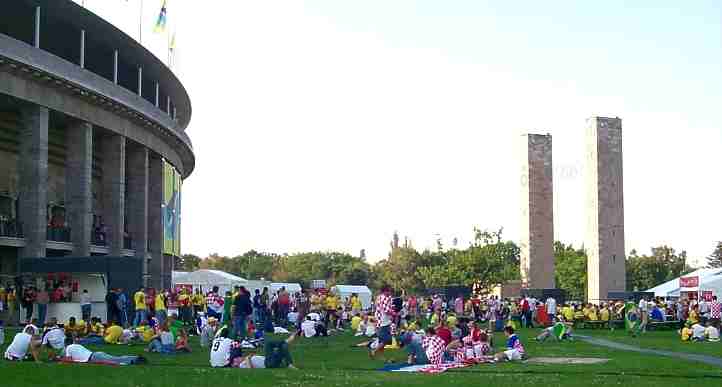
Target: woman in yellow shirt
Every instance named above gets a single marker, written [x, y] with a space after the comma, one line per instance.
[355, 303]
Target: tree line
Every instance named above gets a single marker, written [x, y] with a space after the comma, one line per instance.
[489, 260]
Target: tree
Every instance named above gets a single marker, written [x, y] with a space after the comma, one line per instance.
[715, 259]
[647, 271]
[187, 262]
[488, 261]
[570, 270]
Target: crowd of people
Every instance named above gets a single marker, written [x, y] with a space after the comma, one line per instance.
[431, 330]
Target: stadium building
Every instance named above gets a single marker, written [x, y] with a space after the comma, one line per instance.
[93, 152]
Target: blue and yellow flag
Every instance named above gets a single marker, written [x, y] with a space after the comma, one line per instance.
[160, 23]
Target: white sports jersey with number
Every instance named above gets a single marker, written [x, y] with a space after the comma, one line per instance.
[221, 352]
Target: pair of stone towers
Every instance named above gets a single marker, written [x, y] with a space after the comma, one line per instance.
[604, 210]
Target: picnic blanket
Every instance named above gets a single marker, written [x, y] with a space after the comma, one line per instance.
[430, 368]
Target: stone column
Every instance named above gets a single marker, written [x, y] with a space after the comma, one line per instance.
[138, 201]
[78, 185]
[537, 226]
[155, 223]
[606, 262]
[33, 179]
[113, 191]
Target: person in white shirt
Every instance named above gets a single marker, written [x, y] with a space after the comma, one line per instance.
[24, 342]
[551, 306]
[309, 327]
[711, 333]
[698, 332]
[293, 317]
[85, 305]
[54, 340]
[224, 351]
[644, 312]
[79, 354]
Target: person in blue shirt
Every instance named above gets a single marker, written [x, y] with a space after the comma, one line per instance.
[514, 349]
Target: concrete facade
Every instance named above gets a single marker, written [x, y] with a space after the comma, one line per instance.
[606, 262]
[83, 142]
[33, 179]
[113, 190]
[79, 180]
[537, 223]
[137, 211]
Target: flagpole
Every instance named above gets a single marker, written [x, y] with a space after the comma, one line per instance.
[140, 24]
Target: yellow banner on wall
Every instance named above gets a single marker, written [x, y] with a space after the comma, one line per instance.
[172, 183]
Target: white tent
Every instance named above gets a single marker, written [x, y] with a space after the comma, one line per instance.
[706, 277]
[207, 279]
[291, 288]
[345, 291]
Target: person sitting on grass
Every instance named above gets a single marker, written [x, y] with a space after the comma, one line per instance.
[181, 344]
[711, 332]
[224, 351]
[411, 343]
[356, 322]
[79, 354]
[686, 332]
[24, 342]
[145, 332]
[475, 345]
[75, 328]
[54, 339]
[275, 355]
[208, 332]
[434, 347]
[95, 328]
[514, 349]
[162, 342]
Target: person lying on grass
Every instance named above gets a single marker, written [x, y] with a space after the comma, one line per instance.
[276, 354]
[24, 342]
[560, 331]
[79, 354]
[514, 349]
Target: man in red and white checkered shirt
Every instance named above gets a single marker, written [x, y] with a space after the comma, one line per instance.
[384, 317]
[715, 310]
[434, 347]
[214, 304]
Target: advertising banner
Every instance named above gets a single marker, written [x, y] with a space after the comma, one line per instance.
[171, 209]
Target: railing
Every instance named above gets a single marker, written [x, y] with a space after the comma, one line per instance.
[58, 234]
[10, 228]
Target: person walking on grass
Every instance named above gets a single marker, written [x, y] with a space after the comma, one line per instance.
[384, 316]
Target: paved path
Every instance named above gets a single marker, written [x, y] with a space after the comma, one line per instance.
[715, 361]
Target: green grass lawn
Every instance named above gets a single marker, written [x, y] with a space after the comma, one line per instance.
[667, 340]
[333, 362]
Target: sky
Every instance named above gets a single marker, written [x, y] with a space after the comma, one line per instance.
[330, 124]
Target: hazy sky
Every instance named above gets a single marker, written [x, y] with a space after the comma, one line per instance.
[322, 125]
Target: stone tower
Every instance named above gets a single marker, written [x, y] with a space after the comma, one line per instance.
[606, 264]
[537, 223]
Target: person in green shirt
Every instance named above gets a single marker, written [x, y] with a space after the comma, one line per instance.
[227, 303]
